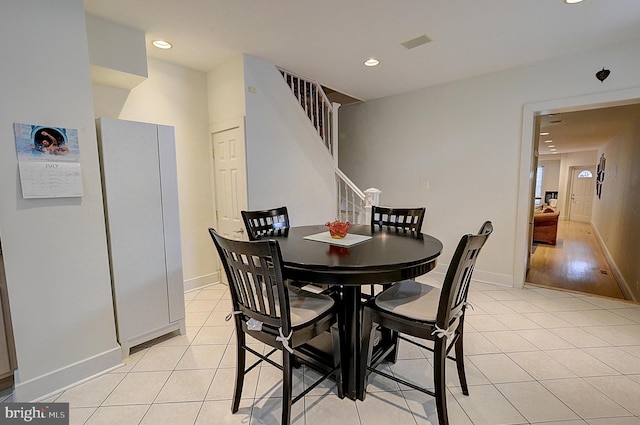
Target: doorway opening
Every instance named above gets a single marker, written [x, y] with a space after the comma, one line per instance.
[530, 155]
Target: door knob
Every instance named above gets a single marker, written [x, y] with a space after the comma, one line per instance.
[239, 231]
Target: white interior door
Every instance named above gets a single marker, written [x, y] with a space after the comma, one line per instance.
[230, 182]
[583, 181]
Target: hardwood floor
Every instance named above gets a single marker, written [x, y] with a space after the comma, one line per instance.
[576, 263]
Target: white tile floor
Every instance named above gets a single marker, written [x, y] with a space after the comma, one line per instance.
[534, 356]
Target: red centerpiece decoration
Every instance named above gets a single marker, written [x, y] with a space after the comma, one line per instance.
[338, 229]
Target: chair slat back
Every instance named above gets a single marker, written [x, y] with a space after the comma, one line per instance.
[266, 223]
[399, 219]
[455, 288]
[255, 275]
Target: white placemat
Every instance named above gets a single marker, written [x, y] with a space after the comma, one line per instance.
[349, 240]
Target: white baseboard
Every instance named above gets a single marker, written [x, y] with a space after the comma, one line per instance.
[54, 382]
[201, 281]
[493, 278]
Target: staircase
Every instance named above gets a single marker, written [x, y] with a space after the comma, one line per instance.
[350, 200]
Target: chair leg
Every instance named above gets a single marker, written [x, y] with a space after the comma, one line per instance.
[365, 353]
[390, 339]
[459, 349]
[295, 363]
[337, 358]
[287, 383]
[439, 364]
[241, 355]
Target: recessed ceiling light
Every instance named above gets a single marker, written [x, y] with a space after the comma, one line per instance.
[548, 141]
[372, 62]
[544, 133]
[554, 153]
[162, 44]
[553, 150]
[572, 1]
[551, 146]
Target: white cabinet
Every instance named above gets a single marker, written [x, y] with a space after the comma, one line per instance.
[140, 189]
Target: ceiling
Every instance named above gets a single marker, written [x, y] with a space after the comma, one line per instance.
[584, 130]
[328, 41]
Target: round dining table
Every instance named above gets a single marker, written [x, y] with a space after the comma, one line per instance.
[376, 257]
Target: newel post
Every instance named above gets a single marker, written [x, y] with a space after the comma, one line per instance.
[372, 197]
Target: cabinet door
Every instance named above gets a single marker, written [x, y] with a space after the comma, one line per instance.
[133, 205]
[171, 220]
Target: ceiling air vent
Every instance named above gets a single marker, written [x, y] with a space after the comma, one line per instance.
[415, 42]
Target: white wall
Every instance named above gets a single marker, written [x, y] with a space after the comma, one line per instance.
[55, 250]
[226, 92]
[287, 164]
[117, 54]
[177, 96]
[465, 139]
[616, 215]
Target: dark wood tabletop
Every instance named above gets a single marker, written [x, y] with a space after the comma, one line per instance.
[387, 257]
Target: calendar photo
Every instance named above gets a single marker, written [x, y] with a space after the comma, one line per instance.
[46, 143]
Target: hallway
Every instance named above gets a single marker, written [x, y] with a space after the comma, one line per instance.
[576, 263]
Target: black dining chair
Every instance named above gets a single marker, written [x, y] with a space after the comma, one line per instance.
[274, 222]
[399, 220]
[285, 318]
[426, 312]
[405, 220]
[266, 223]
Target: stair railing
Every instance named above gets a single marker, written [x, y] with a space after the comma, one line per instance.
[315, 104]
[351, 200]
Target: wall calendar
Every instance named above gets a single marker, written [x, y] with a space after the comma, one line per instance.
[48, 161]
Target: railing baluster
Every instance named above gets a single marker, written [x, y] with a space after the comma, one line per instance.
[339, 206]
[316, 101]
